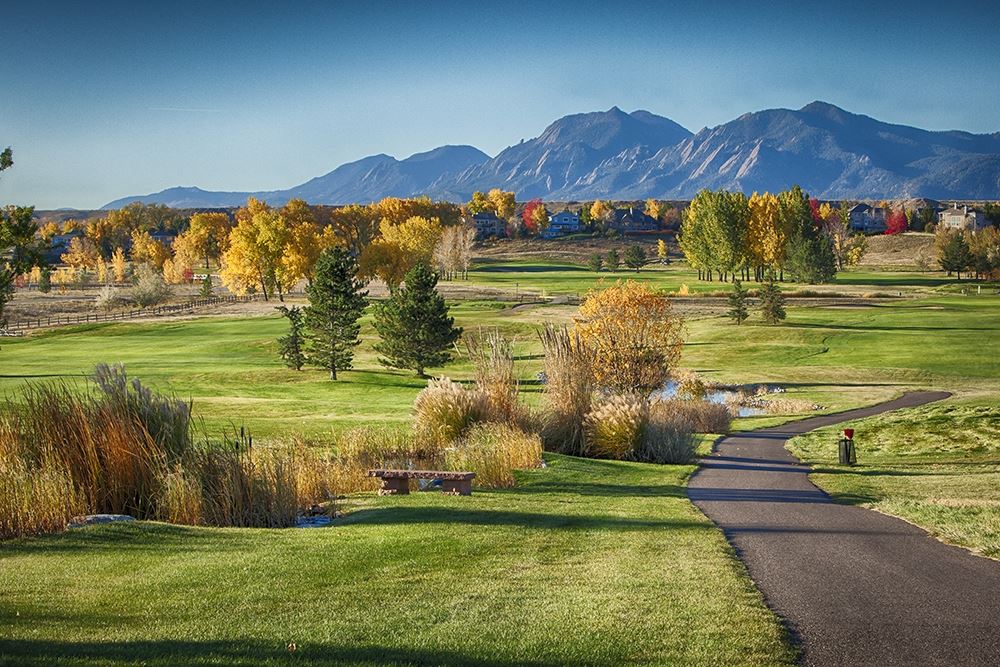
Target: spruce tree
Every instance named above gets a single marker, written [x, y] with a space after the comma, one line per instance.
[336, 302]
[612, 260]
[206, 287]
[772, 303]
[635, 257]
[738, 311]
[414, 325]
[595, 262]
[291, 347]
[45, 280]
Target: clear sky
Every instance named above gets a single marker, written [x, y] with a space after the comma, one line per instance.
[102, 100]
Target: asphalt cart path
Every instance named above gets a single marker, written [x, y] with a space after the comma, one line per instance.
[854, 586]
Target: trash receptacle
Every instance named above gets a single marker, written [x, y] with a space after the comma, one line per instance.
[846, 455]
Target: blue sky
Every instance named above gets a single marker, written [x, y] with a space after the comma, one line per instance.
[127, 98]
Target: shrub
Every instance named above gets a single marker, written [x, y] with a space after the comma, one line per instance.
[492, 356]
[614, 428]
[445, 409]
[493, 452]
[569, 388]
[148, 287]
[696, 415]
[108, 298]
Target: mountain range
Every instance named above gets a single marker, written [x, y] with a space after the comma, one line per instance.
[831, 153]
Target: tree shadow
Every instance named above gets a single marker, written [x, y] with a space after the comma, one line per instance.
[250, 653]
[716, 494]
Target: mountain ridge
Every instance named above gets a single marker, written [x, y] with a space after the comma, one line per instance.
[830, 152]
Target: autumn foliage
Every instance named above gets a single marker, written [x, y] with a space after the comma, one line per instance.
[896, 222]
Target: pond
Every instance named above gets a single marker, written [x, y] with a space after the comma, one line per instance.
[734, 397]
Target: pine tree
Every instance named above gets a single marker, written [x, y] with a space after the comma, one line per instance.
[206, 287]
[595, 262]
[336, 302]
[612, 260]
[635, 257]
[738, 311]
[45, 280]
[414, 325]
[772, 303]
[290, 347]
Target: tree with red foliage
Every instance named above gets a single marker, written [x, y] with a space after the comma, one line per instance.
[814, 209]
[896, 223]
[535, 216]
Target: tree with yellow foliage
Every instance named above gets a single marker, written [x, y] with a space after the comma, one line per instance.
[256, 247]
[502, 202]
[399, 248]
[47, 231]
[661, 250]
[208, 235]
[479, 203]
[600, 212]
[147, 250]
[653, 209]
[81, 254]
[354, 226]
[306, 242]
[118, 265]
[767, 237]
[634, 334]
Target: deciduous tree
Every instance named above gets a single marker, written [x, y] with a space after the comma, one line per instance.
[256, 247]
[896, 223]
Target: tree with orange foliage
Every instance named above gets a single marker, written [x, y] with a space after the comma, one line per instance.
[635, 336]
[535, 216]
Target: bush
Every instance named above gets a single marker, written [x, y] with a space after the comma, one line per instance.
[569, 388]
[493, 452]
[665, 438]
[108, 298]
[148, 287]
[614, 428]
[445, 409]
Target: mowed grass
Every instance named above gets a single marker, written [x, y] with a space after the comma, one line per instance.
[585, 562]
[550, 277]
[937, 466]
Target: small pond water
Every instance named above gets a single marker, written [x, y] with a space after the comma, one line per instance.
[730, 397]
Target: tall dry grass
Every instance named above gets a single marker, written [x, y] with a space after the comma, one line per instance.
[696, 416]
[569, 390]
[445, 409]
[667, 436]
[615, 427]
[494, 452]
[492, 356]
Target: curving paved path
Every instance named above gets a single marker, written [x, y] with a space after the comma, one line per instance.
[855, 587]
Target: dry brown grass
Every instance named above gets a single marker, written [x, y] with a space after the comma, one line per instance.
[615, 427]
[492, 356]
[445, 409]
[569, 389]
[494, 452]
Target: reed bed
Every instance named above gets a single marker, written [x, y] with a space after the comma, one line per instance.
[569, 389]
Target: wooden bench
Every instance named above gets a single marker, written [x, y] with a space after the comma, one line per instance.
[397, 482]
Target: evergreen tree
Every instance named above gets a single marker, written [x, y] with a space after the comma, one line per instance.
[738, 311]
[635, 257]
[290, 347]
[336, 302]
[811, 258]
[612, 260]
[206, 287]
[595, 262]
[772, 303]
[45, 280]
[414, 325]
[955, 254]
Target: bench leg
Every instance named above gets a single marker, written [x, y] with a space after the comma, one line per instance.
[394, 486]
[457, 487]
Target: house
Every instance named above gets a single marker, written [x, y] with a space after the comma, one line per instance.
[166, 238]
[489, 225]
[59, 245]
[961, 218]
[564, 222]
[631, 219]
[868, 219]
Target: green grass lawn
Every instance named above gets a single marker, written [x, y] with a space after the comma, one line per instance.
[937, 466]
[585, 562]
[551, 277]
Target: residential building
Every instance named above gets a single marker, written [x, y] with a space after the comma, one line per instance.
[631, 219]
[59, 245]
[868, 219]
[562, 223]
[961, 218]
[488, 225]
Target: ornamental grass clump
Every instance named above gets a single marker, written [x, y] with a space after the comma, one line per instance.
[667, 436]
[492, 355]
[445, 409]
[493, 452]
[615, 427]
[698, 416]
[569, 390]
[34, 499]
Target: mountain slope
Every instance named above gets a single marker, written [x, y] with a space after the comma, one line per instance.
[830, 152]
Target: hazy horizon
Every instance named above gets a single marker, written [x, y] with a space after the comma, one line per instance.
[122, 100]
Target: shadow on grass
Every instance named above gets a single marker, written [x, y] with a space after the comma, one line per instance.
[129, 537]
[392, 515]
[242, 653]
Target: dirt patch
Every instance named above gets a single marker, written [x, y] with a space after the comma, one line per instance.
[912, 250]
